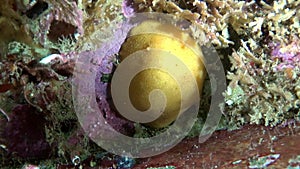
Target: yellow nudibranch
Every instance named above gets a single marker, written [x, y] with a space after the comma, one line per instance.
[153, 34]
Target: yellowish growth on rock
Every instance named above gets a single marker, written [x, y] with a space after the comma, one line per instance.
[154, 35]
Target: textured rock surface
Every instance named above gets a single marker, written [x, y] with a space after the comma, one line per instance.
[226, 147]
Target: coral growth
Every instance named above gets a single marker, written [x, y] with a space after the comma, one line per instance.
[259, 94]
[265, 69]
[212, 19]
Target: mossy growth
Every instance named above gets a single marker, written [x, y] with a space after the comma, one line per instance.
[142, 131]
[65, 44]
[63, 128]
[25, 52]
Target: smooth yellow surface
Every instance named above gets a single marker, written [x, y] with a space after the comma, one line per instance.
[171, 39]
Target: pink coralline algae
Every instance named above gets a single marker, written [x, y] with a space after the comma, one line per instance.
[106, 60]
[106, 103]
[127, 8]
[288, 55]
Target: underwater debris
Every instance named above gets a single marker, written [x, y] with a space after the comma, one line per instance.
[76, 160]
[5, 114]
[50, 58]
[125, 162]
[294, 163]
[263, 161]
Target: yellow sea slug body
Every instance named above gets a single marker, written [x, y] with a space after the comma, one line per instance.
[154, 35]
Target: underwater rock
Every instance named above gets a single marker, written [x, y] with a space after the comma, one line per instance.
[25, 135]
[105, 101]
